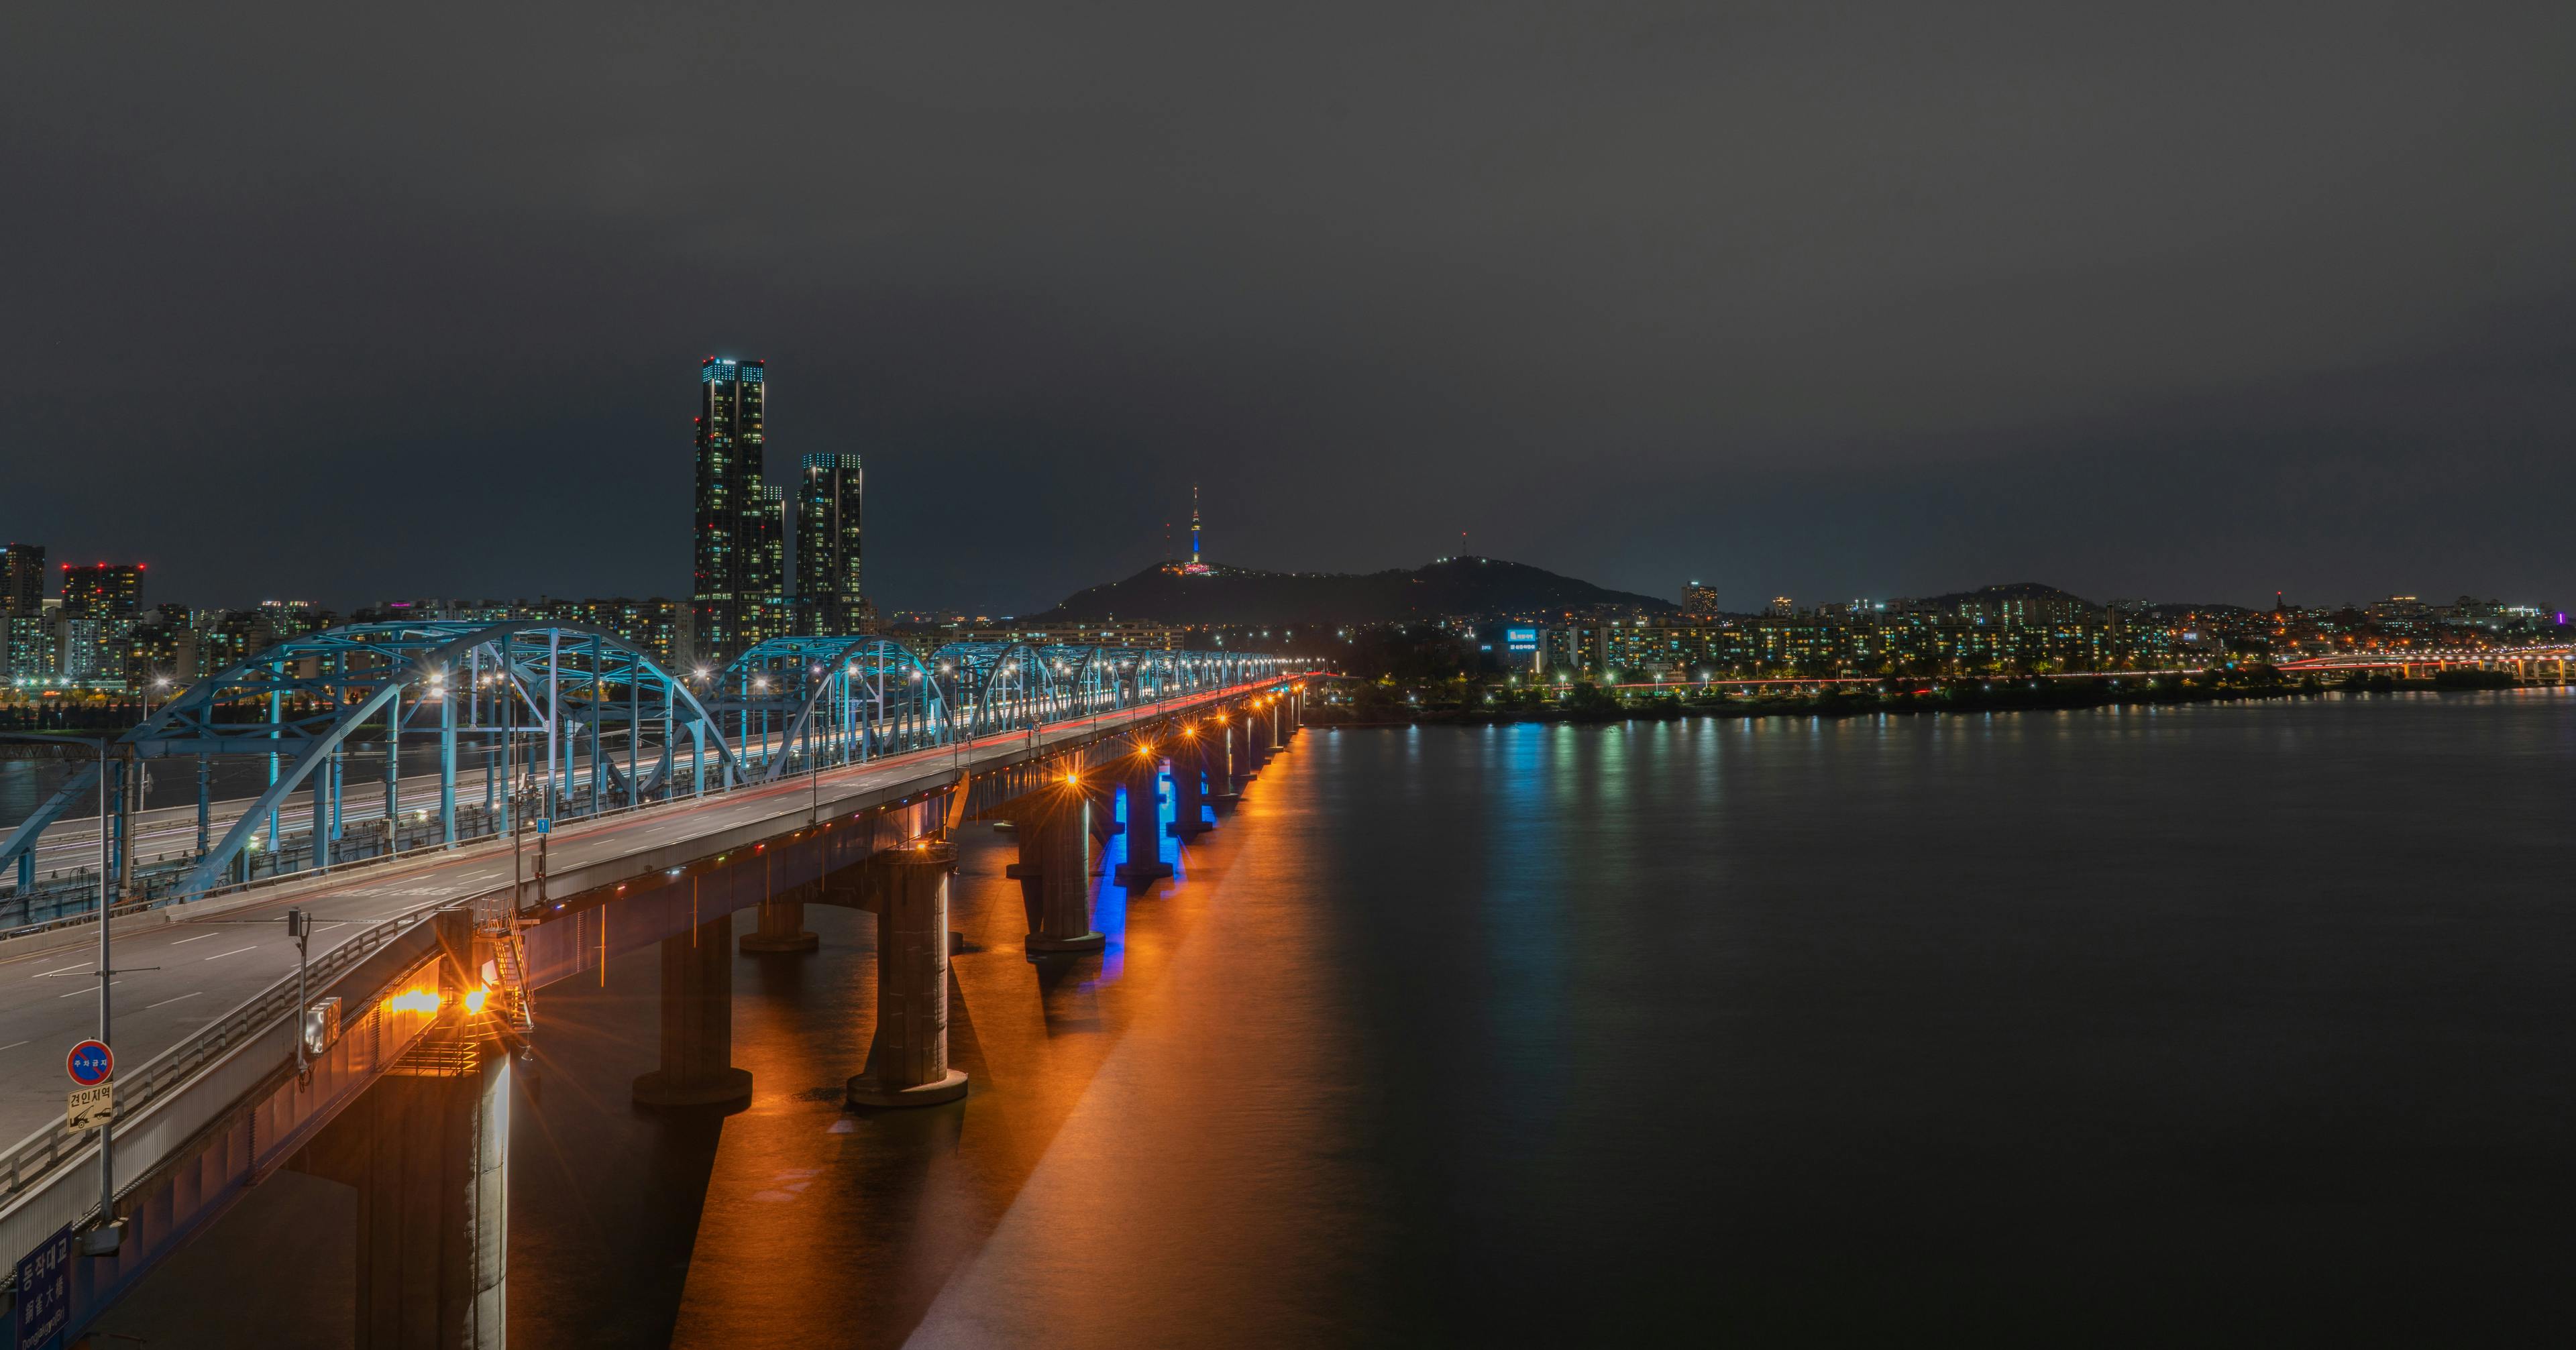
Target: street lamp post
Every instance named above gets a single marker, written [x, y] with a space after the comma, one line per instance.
[299, 926]
[545, 828]
[109, 1235]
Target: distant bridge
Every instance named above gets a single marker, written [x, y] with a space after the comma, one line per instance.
[2544, 663]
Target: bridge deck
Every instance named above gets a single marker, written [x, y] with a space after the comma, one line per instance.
[207, 965]
[71, 844]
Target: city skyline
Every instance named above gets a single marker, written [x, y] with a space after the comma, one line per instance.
[1832, 303]
[771, 560]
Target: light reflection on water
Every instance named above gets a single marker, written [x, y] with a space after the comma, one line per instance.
[2234, 1023]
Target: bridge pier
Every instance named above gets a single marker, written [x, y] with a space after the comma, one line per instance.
[908, 1059]
[782, 929]
[1054, 871]
[1144, 816]
[1189, 760]
[428, 1153]
[1256, 740]
[1217, 754]
[697, 1022]
[1239, 747]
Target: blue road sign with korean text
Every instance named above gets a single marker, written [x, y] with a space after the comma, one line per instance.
[45, 1292]
[89, 1063]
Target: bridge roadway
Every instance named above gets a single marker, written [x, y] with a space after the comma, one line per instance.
[177, 978]
[71, 844]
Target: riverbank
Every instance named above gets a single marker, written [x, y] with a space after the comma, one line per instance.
[1589, 703]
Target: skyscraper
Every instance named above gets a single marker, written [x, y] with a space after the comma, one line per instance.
[103, 591]
[27, 651]
[22, 580]
[767, 533]
[739, 557]
[767, 612]
[102, 602]
[829, 497]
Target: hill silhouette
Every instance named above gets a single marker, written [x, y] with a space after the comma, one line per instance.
[1164, 593]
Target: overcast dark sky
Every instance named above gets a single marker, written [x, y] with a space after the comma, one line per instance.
[2189, 301]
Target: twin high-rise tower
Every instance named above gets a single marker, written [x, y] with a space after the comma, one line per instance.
[828, 499]
[738, 592]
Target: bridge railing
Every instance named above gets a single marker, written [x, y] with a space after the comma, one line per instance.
[269, 880]
[137, 1090]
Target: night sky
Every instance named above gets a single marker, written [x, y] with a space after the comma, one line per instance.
[2179, 301]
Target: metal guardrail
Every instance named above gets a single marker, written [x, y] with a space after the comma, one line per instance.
[81, 920]
[39, 1154]
[124, 908]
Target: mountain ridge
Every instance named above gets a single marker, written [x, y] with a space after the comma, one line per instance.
[1168, 592]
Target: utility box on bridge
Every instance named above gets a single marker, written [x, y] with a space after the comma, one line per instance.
[321, 1025]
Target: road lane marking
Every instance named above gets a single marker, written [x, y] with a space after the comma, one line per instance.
[327, 927]
[49, 974]
[198, 938]
[78, 992]
[168, 1001]
[234, 952]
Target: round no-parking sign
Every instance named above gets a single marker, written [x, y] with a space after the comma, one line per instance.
[90, 1062]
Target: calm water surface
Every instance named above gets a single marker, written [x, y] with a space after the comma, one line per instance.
[2223, 1023]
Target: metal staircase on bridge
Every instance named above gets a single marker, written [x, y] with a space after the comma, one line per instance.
[511, 1004]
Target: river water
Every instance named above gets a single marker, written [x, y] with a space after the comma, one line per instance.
[2239, 1024]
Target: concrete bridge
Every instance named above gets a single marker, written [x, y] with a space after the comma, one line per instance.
[2541, 664]
[425, 967]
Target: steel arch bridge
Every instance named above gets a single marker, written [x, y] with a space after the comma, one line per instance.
[795, 703]
[511, 690]
[548, 708]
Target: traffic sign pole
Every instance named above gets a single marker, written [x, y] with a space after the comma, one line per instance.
[109, 1234]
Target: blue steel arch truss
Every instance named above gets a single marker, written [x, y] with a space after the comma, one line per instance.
[801, 702]
[578, 694]
[551, 705]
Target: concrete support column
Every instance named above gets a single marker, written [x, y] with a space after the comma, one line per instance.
[697, 1022]
[1216, 752]
[782, 929]
[1054, 870]
[908, 1060]
[1274, 724]
[1144, 821]
[1189, 760]
[428, 1155]
[1245, 742]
